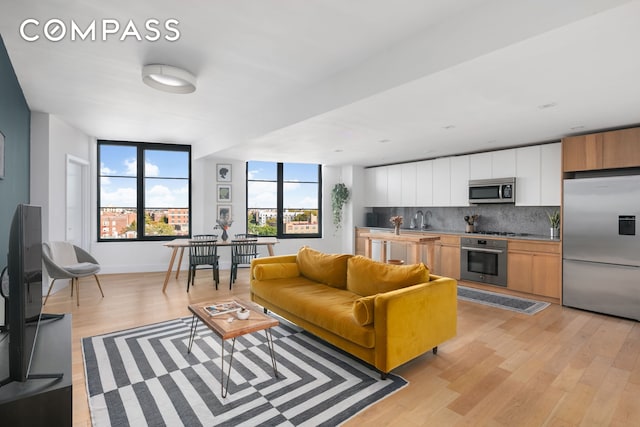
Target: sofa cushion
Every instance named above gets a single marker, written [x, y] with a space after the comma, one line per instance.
[324, 306]
[366, 277]
[363, 310]
[281, 270]
[330, 269]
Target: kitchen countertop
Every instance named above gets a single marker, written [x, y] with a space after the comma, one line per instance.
[537, 237]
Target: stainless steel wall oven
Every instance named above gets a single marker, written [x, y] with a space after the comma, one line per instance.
[483, 260]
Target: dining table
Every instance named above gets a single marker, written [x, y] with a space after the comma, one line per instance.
[178, 246]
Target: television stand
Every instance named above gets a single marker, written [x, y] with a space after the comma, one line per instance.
[44, 399]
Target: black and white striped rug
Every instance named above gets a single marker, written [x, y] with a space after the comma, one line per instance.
[144, 376]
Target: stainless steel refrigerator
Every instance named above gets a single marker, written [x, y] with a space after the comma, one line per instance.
[601, 245]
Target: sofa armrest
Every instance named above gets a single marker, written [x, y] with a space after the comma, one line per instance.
[413, 320]
[271, 260]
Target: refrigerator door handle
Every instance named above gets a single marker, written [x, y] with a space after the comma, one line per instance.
[603, 263]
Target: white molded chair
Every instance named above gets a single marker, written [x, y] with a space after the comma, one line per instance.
[64, 260]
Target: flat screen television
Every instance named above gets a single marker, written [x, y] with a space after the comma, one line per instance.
[25, 288]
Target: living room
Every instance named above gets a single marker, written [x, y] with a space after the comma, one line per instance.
[40, 142]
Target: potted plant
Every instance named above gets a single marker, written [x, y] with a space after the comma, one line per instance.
[554, 223]
[339, 197]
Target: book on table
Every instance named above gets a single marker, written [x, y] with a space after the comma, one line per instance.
[223, 308]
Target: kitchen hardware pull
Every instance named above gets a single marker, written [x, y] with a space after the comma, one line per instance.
[492, 251]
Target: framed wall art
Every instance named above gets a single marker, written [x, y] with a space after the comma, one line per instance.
[224, 193]
[224, 212]
[223, 172]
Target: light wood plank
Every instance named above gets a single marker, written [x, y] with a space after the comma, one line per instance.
[559, 367]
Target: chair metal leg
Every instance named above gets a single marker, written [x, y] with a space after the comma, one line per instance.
[98, 282]
[50, 287]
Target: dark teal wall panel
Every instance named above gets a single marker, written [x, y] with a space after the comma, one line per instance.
[15, 119]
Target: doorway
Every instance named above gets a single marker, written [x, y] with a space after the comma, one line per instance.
[77, 199]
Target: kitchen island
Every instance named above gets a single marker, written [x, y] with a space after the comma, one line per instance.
[415, 243]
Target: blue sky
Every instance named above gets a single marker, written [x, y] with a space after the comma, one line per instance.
[120, 161]
[297, 193]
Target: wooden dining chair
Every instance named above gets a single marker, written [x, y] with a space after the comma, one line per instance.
[242, 252]
[203, 250]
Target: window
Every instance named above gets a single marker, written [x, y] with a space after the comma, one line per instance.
[142, 187]
[284, 199]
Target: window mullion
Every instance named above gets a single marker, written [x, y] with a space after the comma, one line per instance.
[280, 203]
[140, 191]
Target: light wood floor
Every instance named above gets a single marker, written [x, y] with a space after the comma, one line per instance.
[560, 367]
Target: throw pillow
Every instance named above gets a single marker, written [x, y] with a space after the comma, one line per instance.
[330, 269]
[280, 270]
[368, 277]
[363, 310]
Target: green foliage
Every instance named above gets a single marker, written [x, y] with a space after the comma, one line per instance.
[554, 219]
[339, 197]
[261, 230]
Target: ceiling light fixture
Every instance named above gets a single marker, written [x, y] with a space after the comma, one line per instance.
[549, 105]
[168, 79]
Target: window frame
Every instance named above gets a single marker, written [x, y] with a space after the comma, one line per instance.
[280, 234]
[141, 147]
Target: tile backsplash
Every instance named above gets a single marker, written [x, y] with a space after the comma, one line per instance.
[497, 217]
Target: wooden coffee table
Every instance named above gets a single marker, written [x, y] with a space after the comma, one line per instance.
[226, 329]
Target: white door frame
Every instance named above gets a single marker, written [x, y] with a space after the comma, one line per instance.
[85, 193]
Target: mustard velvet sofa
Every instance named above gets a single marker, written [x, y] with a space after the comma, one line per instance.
[383, 314]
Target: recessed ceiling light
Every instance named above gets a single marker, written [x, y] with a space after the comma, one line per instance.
[448, 127]
[384, 141]
[338, 150]
[577, 127]
[168, 79]
[549, 105]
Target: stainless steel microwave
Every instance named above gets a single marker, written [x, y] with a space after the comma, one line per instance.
[497, 190]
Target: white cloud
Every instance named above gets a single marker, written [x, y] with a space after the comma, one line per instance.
[151, 170]
[131, 167]
[163, 196]
[105, 170]
[120, 197]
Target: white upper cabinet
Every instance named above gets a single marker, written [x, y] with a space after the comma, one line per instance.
[394, 185]
[539, 172]
[409, 184]
[459, 181]
[424, 183]
[503, 163]
[492, 164]
[528, 178]
[480, 166]
[551, 174]
[442, 182]
[376, 186]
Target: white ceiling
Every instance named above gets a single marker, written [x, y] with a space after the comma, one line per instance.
[337, 82]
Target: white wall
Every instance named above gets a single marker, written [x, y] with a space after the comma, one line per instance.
[53, 139]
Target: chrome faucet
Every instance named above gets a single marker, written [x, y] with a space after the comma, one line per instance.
[425, 223]
[421, 218]
[424, 216]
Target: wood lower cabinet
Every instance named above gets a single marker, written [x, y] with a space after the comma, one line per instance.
[447, 259]
[535, 268]
[361, 241]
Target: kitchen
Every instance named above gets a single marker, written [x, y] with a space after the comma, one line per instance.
[517, 251]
